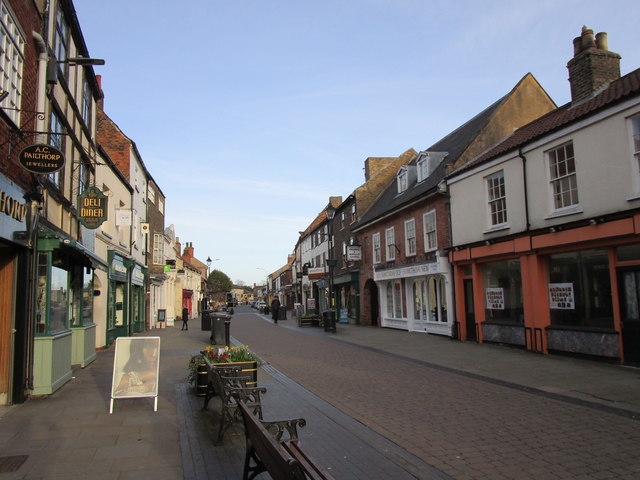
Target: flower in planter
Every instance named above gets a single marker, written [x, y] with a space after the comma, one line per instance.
[230, 354]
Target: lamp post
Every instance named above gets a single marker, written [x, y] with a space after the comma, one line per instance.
[330, 212]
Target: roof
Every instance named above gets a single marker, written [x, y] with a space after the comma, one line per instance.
[454, 144]
[616, 92]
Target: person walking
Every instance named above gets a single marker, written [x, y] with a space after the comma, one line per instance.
[185, 319]
[275, 307]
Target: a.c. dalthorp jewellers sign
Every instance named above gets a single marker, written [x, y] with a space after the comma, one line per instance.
[92, 207]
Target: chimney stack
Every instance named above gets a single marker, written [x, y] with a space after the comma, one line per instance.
[592, 66]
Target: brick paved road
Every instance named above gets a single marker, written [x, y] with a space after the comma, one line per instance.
[464, 426]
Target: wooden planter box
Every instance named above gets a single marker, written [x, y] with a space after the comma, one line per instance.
[249, 369]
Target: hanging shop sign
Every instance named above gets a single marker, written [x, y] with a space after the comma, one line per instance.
[354, 253]
[42, 159]
[92, 207]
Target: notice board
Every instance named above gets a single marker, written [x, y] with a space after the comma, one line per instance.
[136, 367]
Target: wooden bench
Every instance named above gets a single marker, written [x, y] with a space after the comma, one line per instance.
[267, 451]
[230, 385]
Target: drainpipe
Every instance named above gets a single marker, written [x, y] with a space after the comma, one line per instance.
[524, 180]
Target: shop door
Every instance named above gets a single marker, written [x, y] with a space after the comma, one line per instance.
[629, 285]
[469, 311]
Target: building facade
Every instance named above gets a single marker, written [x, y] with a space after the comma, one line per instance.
[545, 225]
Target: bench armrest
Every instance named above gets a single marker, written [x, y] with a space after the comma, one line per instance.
[277, 428]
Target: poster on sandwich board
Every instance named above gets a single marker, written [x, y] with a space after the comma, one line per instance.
[136, 367]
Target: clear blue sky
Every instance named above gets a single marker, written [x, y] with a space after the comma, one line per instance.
[249, 114]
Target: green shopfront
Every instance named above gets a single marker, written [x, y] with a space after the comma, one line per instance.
[64, 327]
[125, 304]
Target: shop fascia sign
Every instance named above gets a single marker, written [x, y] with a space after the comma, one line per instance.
[41, 159]
[92, 207]
[407, 271]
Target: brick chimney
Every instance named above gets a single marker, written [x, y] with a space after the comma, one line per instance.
[188, 251]
[592, 66]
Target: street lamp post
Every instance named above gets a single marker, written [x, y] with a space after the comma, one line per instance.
[330, 211]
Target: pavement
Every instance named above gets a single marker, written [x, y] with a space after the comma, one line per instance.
[71, 435]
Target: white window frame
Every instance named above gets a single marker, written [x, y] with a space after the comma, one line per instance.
[496, 199]
[158, 249]
[12, 44]
[353, 213]
[56, 138]
[402, 180]
[376, 249]
[634, 129]
[423, 169]
[410, 237]
[430, 228]
[390, 244]
[561, 168]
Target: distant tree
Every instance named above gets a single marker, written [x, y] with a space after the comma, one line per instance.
[219, 282]
[239, 284]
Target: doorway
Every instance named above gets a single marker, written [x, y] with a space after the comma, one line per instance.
[629, 292]
[469, 311]
[374, 303]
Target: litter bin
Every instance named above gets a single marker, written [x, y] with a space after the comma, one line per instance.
[220, 324]
[329, 321]
[282, 313]
[206, 319]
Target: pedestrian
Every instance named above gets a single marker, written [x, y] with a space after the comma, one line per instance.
[185, 319]
[275, 307]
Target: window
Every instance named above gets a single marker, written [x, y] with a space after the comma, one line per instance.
[562, 172]
[342, 217]
[403, 180]
[503, 291]
[410, 237]
[60, 45]
[11, 62]
[497, 200]
[377, 254]
[158, 249]
[84, 176]
[56, 138]
[430, 236]
[580, 289]
[635, 132]
[86, 104]
[394, 300]
[353, 213]
[391, 244]
[423, 169]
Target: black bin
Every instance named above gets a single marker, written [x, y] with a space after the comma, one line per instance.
[329, 321]
[206, 319]
[282, 313]
[220, 324]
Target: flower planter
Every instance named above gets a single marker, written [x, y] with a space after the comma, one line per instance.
[249, 369]
[202, 380]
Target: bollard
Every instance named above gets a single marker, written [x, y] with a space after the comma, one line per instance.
[227, 328]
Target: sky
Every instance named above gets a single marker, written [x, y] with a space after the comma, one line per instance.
[250, 114]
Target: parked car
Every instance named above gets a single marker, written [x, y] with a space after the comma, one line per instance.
[263, 307]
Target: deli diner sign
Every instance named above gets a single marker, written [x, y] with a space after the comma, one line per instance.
[92, 207]
[406, 271]
[42, 159]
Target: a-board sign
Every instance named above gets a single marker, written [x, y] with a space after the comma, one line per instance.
[162, 315]
[136, 366]
[41, 158]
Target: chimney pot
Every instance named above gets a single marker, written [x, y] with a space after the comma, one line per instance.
[601, 41]
[588, 40]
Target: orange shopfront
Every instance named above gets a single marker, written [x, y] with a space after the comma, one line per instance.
[574, 291]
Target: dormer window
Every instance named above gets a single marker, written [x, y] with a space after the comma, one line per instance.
[423, 168]
[403, 180]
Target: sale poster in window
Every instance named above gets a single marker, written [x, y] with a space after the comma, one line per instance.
[561, 296]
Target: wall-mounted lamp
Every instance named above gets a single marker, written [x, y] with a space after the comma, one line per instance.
[52, 65]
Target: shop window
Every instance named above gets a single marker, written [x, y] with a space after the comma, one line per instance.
[437, 299]
[580, 289]
[394, 300]
[503, 291]
[87, 297]
[629, 253]
[59, 300]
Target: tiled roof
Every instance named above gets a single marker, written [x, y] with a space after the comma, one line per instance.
[616, 92]
[455, 143]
